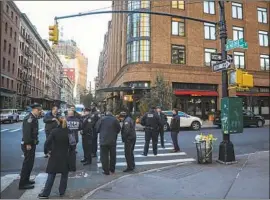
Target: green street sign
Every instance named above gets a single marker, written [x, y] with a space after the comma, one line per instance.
[233, 44]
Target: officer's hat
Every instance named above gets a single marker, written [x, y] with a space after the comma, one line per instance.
[158, 107]
[35, 106]
[87, 109]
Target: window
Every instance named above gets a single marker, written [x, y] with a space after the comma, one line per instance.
[11, 84]
[13, 68]
[11, 15]
[16, 20]
[178, 27]
[144, 51]
[9, 66]
[11, 32]
[6, 27]
[15, 36]
[209, 31]
[7, 9]
[3, 81]
[238, 33]
[237, 11]
[178, 54]
[207, 56]
[239, 60]
[7, 83]
[5, 45]
[138, 25]
[263, 38]
[138, 51]
[178, 5]
[9, 49]
[4, 63]
[209, 7]
[14, 51]
[264, 62]
[262, 15]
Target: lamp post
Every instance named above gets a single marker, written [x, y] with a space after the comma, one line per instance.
[133, 100]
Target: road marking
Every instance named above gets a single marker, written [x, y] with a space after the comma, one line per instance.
[15, 130]
[33, 193]
[123, 150]
[7, 180]
[4, 130]
[42, 129]
[137, 141]
[37, 155]
[121, 164]
[142, 145]
[152, 155]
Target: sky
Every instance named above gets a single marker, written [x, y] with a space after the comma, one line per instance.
[87, 31]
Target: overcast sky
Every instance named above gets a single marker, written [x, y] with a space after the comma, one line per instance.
[87, 31]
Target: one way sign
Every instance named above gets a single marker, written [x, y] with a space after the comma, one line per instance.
[220, 66]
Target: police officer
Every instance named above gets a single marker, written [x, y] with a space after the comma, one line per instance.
[152, 123]
[163, 118]
[28, 145]
[95, 115]
[87, 136]
[129, 138]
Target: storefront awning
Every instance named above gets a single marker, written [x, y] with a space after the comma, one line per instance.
[196, 93]
[260, 94]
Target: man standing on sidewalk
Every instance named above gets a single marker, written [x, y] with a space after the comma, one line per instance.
[175, 128]
[108, 127]
[163, 118]
[152, 123]
[128, 133]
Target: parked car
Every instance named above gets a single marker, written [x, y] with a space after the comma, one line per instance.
[249, 119]
[9, 115]
[22, 115]
[186, 121]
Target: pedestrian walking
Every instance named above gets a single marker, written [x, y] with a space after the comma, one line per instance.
[108, 128]
[163, 118]
[74, 126]
[58, 141]
[96, 116]
[175, 128]
[88, 125]
[28, 146]
[152, 123]
[128, 133]
[51, 122]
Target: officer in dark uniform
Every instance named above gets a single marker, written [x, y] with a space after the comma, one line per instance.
[28, 145]
[87, 136]
[95, 115]
[128, 133]
[164, 120]
[152, 123]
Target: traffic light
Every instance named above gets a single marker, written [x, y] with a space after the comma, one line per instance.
[54, 34]
[240, 79]
[128, 98]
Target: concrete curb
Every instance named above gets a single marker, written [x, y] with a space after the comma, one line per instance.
[89, 194]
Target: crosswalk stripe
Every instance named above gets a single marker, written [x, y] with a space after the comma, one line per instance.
[141, 149]
[152, 155]
[137, 141]
[142, 145]
[4, 130]
[15, 130]
[40, 182]
[42, 129]
[121, 164]
[7, 180]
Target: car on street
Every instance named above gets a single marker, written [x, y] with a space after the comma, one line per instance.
[249, 119]
[22, 115]
[186, 121]
[9, 115]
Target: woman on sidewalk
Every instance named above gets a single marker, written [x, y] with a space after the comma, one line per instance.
[58, 161]
[175, 128]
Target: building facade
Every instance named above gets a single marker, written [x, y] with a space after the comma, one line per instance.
[70, 73]
[67, 92]
[142, 45]
[10, 30]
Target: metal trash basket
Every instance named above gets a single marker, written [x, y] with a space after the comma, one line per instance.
[204, 152]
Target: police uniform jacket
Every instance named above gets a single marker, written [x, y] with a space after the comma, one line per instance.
[30, 130]
[163, 118]
[87, 125]
[128, 130]
[151, 121]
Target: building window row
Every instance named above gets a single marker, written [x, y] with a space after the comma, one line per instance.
[7, 83]
[11, 14]
[137, 5]
[8, 63]
[138, 25]
[138, 51]
[10, 32]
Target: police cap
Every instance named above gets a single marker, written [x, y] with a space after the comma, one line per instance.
[158, 107]
[35, 106]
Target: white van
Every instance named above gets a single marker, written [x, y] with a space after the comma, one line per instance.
[9, 115]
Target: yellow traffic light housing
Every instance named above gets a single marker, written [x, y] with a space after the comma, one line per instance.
[247, 80]
[240, 79]
[54, 34]
[128, 98]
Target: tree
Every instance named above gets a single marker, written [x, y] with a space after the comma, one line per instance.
[86, 100]
[161, 94]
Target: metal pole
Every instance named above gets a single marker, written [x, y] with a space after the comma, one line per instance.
[226, 149]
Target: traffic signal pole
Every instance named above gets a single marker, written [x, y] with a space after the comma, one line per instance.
[226, 148]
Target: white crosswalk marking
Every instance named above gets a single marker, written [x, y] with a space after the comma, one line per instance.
[2, 130]
[142, 145]
[7, 180]
[42, 129]
[152, 155]
[141, 149]
[39, 185]
[15, 130]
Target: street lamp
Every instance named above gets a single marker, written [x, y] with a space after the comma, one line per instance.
[133, 99]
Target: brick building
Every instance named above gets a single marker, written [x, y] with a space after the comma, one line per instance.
[10, 24]
[140, 46]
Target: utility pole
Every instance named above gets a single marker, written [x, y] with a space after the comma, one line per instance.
[226, 149]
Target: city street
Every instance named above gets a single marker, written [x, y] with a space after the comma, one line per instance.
[88, 178]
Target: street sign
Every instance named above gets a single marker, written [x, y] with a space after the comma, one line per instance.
[232, 44]
[220, 66]
[218, 57]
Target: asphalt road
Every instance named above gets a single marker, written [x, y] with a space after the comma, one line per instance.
[90, 177]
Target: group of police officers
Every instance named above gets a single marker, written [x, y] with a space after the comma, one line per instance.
[90, 124]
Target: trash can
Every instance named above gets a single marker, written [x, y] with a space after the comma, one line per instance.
[204, 152]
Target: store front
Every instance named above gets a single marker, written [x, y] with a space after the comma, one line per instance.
[196, 99]
[7, 99]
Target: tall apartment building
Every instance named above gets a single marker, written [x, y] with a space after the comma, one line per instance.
[67, 48]
[67, 91]
[142, 45]
[10, 24]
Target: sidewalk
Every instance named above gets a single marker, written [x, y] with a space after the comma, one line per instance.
[248, 178]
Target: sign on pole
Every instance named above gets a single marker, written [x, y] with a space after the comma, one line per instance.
[232, 44]
[218, 57]
[220, 66]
